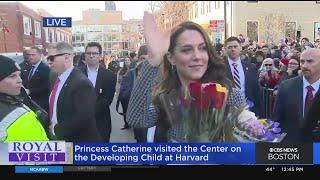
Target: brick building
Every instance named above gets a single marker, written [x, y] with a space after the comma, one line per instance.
[23, 28]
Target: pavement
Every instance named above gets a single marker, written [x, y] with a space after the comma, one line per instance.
[118, 135]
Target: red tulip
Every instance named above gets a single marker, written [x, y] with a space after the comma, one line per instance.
[219, 100]
[206, 94]
[206, 101]
[198, 97]
[216, 98]
[195, 90]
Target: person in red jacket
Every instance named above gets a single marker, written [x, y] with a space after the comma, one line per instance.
[269, 76]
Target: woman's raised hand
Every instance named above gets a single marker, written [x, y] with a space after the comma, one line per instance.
[157, 41]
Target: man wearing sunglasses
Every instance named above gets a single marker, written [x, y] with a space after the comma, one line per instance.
[72, 98]
[269, 76]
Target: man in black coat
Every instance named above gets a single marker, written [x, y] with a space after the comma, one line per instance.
[104, 82]
[295, 97]
[72, 99]
[37, 85]
[243, 74]
[311, 129]
[25, 67]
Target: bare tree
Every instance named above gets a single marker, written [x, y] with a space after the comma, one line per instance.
[172, 13]
[155, 6]
[272, 27]
[252, 30]
[290, 31]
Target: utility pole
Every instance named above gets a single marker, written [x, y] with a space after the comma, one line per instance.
[3, 28]
[225, 19]
[4, 38]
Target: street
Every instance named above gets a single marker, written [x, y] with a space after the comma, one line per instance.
[118, 135]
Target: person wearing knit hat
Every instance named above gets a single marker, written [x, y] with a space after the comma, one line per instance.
[283, 66]
[17, 121]
[293, 69]
[285, 61]
[7, 66]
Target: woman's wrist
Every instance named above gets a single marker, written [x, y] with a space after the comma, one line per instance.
[155, 60]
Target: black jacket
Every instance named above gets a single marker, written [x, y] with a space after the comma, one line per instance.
[76, 110]
[288, 111]
[104, 90]
[311, 130]
[7, 104]
[25, 68]
[252, 90]
[39, 86]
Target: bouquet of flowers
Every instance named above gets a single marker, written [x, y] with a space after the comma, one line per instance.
[248, 128]
[204, 108]
[197, 112]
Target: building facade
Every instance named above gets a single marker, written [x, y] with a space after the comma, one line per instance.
[104, 27]
[210, 15]
[260, 21]
[52, 35]
[276, 20]
[133, 34]
[23, 29]
[116, 36]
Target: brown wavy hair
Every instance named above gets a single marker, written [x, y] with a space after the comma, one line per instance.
[170, 80]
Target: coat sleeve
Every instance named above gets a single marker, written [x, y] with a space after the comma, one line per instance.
[126, 86]
[279, 105]
[43, 87]
[256, 93]
[110, 87]
[84, 112]
[141, 111]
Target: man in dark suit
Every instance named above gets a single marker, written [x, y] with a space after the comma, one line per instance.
[243, 74]
[25, 67]
[104, 82]
[295, 97]
[72, 99]
[311, 129]
[37, 86]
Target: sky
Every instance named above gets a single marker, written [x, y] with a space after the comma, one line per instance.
[130, 9]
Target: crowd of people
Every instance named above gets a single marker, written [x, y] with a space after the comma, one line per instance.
[67, 97]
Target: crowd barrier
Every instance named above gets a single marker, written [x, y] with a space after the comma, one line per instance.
[268, 101]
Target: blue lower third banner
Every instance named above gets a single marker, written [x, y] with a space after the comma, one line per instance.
[39, 169]
[316, 153]
[164, 153]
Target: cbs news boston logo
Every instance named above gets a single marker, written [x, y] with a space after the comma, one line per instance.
[44, 151]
